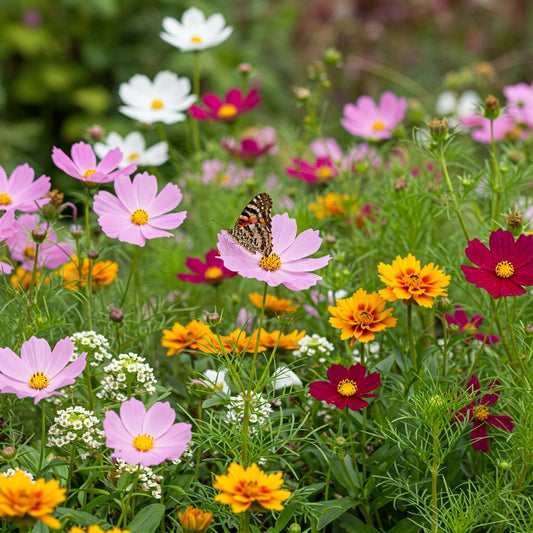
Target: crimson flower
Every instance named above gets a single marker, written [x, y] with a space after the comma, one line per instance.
[346, 387]
[504, 268]
[227, 110]
[253, 145]
[321, 170]
[469, 325]
[212, 271]
[478, 413]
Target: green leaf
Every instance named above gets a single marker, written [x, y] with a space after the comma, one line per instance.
[332, 509]
[147, 519]
[80, 518]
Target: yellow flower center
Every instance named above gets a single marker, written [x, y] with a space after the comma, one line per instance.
[133, 156]
[196, 39]
[5, 199]
[470, 328]
[347, 387]
[412, 281]
[504, 269]
[139, 217]
[324, 172]
[222, 179]
[89, 172]
[364, 318]
[157, 104]
[250, 489]
[143, 442]
[227, 111]
[378, 126]
[480, 412]
[38, 381]
[213, 273]
[29, 252]
[272, 262]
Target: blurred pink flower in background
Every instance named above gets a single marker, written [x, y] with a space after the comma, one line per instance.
[254, 144]
[227, 110]
[210, 271]
[519, 103]
[224, 174]
[502, 127]
[323, 169]
[329, 148]
[20, 192]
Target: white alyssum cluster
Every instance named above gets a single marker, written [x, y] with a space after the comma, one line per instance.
[372, 351]
[126, 376]
[260, 410]
[314, 345]
[95, 345]
[12, 471]
[76, 425]
[149, 481]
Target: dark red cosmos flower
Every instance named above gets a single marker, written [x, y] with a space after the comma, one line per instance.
[346, 387]
[227, 110]
[469, 325]
[322, 169]
[212, 271]
[478, 413]
[505, 268]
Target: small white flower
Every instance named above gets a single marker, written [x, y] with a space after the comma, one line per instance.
[466, 104]
[217, 380]
[284, 377]
[162, 100]
[195, 32]
[133, 148]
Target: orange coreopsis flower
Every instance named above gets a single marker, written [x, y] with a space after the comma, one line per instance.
[193, 519]
[406, 280]
[97, 529]
[25, 501]
[250, 488]
[334, 205]
[75, 276]
[361, 316]
[237, 341]
[194, 336]
[284, 342]
[273, 304]
[21, 279]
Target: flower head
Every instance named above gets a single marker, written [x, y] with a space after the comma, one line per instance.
[195, 336]
[253, 145]
[371, 121]
[406, 280]
[502, 127]
[137, 212]
[224, 174]
[212, 271]
[193, 519]
[227, 110]
[213, 379]
[504, 268]
[195, 31]
[469, 325]
[333, 204]
[273, 304]
[162, 100]
[39, 371]
[83, 165]
[323, 169]
[75, 275]
[329, 148]
[346, 387]
[361, 316]
[288, 263]
[20, 192]
[520, 103]
[97, 529]
[283, 342]
[25, 501]
[250, 488]
[284, 377]
[133, 148]
[147, 437]
[477, 412]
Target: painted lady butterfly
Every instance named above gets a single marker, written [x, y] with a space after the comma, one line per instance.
[253, 229]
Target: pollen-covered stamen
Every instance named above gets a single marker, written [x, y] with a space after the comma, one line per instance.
[412, 281]
[272, 262]
[365, 318]
[470, 328]
[157, 104]
[143, 442]
[227, 111]
[378, 126]
[504, 269]
[133, 156]
[324, 172]
[29, 252]
[347, 387]
[196, 39]
[480, 413]
[5, 199]
[213, 273]
[38, 381]
[89, 172]
[250, 489]
[139, 217]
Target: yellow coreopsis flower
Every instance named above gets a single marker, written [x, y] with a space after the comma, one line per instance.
[284, 342]
[194, 336]
[250, 488]
[96, 529]
[273, 304]
[193, 519]
[334, 205]
[75, 275]
[237, 341]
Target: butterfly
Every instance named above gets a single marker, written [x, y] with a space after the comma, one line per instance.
[253, 229]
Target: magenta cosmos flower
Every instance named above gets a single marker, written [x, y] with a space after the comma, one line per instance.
[83, 165]
[212, 271]
[469, 325]
[137, 212]
[329, 148]
[322, 169]
[253, 145]
[371, 121]
[346, 387]
[20, 192]
[505, 268]
[478, 413]
[287, 264]
[39, 371]
[227, 110]
[145, 437]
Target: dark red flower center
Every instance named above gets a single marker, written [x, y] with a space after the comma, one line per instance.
[347, 387]
[504, 269]
[480, 413]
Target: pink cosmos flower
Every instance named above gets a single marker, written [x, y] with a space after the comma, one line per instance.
[8, 226]
[83, 165]
[346, 387]
[224, 174]
[505, 268]
[478, 413]
[39, 371]
[212, 271]
[329, 148]
[233, 105]
[146, 437]
[371, 121]
[321, 170]
[288, 263]
[253, 145]
[137, 212]
[520, 103]
[503, 126]
[19, 191]
[469, 325]
[22, 246]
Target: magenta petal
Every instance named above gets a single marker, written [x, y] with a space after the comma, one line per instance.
[502, 422]
[323, 390]
[337, 373]
[195, 265]
[354, 403]
[480, 441]
[480, 255]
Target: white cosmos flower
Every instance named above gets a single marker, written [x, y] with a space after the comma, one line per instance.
[284, 377]
[195, 32]
[466, 104]
[162, 100]
[133, 148]
[215, 379]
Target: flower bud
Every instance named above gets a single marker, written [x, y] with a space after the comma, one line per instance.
[38, 235]
[443, 304]
[492, 107]
[76, 231]
[514, 222]
[330, 239]
[504, 465]
[528, 330]
[438, 129]
[453, 328]
[244, 68]
[95, 132]
[340, 441]
[193, 519]
[332, 57]
[302, 94]
[400, 184]
[294, 528]
[9, 452]
[213, 319]
[116, 314]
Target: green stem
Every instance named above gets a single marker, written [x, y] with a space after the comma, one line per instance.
[514, 351]
[196, 91]
[89, 292]
[130, 276]
[445, 332]
[90, 393]
[31, 289]
[87, 210]
[199, 450]
[434, 479]
[43, 434]
[71, 467]
[412, 349]
[245, 522]
[496, 171]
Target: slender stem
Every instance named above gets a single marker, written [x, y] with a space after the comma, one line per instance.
[196, 91]
[33, 282]
[71, 467]
[130, 276]
[89, 380]
[89, 292]
[434, 479]
[87, 225]
[259, 327]
[43, 434]
[514, 351]
[445, 345]
[412, 349]
[497, 188]
[351, 440]
[245, 523]
[199, 450]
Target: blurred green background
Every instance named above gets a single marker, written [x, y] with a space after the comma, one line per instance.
[62, 61]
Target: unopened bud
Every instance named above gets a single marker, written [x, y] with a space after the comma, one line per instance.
[340, 441]
[294, 528]
[302, 94]
[96, 132]
[454, 328]
[213, 319]
[504, 465]
[244, 68]
[528, 330]
[400, 184]
[330, 239]
[492, 107]
[443, 304]
[9, 452]
[514, 222]
[438, 129]
[76, 231]
[332, 57]
[116, 314]
[38, 234]
[93, 254]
